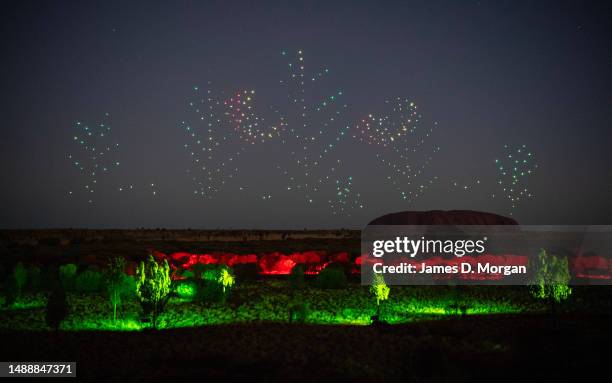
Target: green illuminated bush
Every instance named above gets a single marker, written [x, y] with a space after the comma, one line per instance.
[381, 291]
[89, 281]
[331, 278]
[67, 276]
[153, 286]
[208, 272]
[551, 278]
[187, 289]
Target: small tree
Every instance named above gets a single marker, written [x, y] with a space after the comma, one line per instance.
[116, 282]
[153, 286]
[551, 279]
[226, 278]
[380, 290]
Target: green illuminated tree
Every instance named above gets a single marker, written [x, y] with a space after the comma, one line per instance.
[225, 279]
[380, 290]
[117, 282]
[551, 278]
[153, 286]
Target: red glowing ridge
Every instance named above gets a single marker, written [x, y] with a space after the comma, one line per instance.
[277, 263]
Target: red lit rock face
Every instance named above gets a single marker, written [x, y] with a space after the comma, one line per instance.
[586, 267]
[441, 217]
[275, 263]
[314, 261]
[591, 267]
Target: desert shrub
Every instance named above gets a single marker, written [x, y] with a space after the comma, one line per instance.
[67, 276]
[57, 308]
[208, 272]
[296, 278]
[20, 277]
[153, 287]
[186, 289]
[89, 281]
[331, 278]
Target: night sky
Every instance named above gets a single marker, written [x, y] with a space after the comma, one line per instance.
[477, 80]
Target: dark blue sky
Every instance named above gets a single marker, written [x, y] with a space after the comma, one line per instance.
[488, 73]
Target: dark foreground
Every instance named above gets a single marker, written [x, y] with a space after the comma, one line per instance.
[475, 348]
